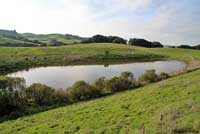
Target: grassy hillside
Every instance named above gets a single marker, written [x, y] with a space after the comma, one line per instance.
[12, 38]
[8, 33]
[47, 38]
[98, 49]
[12, 42]
[5, 40]
[82, 49]
[175, 53]
[170, 105]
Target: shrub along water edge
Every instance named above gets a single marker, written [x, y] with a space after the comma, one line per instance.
[17, 100]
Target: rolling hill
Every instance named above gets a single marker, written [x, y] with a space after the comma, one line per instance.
[47, 38]
[12, 38]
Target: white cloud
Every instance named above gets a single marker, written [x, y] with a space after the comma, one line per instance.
[27, 16]
[135, 4]
[169, 22]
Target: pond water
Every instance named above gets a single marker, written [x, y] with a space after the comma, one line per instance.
[65, 76]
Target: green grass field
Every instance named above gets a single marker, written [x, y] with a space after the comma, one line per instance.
[13, 59]
[173, 104]
[97, 49]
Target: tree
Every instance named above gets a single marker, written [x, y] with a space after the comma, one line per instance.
[105, 39]
[185, 47]
[40, 94]
[99, 39]
[127, 80]
[100, 83]
[140, 42]
[197, 47]
[144, 43]
[116, 39]
[149, 76]
[83, 91]
[61, 96]
[156, 44]
[114, 85]
[12, 95]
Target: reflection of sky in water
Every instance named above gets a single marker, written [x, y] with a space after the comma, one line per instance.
[63, 77]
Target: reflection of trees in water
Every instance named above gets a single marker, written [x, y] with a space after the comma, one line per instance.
[106, 65]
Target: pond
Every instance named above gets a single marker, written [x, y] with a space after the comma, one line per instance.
[65, 76]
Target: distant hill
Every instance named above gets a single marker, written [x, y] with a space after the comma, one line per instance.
[8, 32]
[49, 39]
[12, 38]
[74, 36]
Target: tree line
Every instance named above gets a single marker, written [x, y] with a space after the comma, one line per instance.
[144, 43]
[133, 42]
[119, 40]
[105, 39]
[197, 47]
[17, 100]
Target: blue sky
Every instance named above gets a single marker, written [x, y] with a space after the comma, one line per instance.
[172, 22]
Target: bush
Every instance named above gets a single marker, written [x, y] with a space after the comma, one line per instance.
[107, 53]
[148, 77]
[127, 80]
[100, 83]
[16, 99]
[114, 85]
[40, 94]
[61, 97]
[12, 96]
[124, 82]
[163, 76]
[83, 91]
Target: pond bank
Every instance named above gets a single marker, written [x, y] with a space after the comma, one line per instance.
[65, 76]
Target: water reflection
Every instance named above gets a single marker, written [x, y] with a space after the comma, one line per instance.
[65, 76]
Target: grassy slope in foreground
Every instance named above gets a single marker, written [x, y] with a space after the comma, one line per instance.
[172, 104]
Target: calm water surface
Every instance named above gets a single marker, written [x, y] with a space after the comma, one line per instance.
[65, 76]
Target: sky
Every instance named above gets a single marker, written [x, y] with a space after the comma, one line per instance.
[172, 22]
